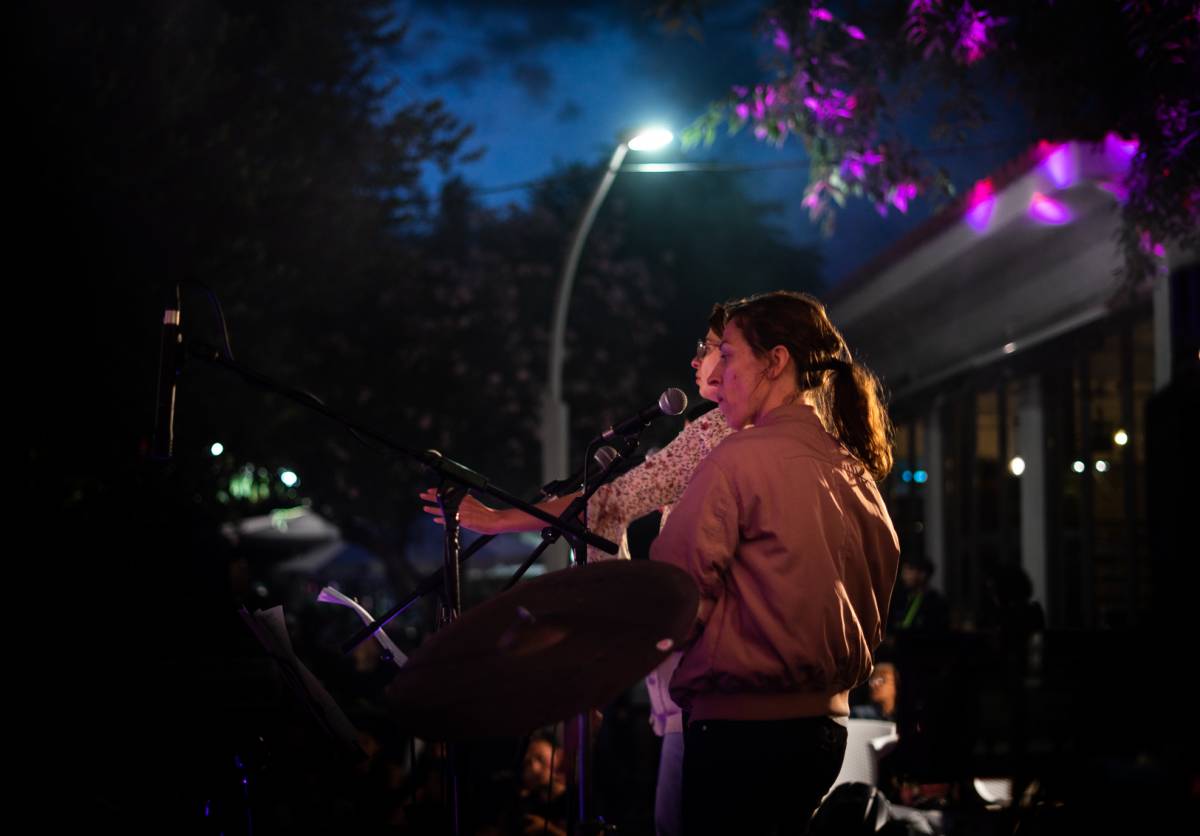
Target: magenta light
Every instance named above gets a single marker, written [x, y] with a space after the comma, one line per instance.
[1048, 211]
[1120, 153]
[980, 215]
[981, 191]
[1118, 147]
[980, 203]
[902, 194]
[1060, 167]
[1118, 190]
[1149, 245]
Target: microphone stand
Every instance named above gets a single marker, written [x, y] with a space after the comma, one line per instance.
[577, 508]
[583, 722]
[577, 482]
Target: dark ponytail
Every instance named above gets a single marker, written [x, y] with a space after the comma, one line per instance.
[859, 419]
[847, 396]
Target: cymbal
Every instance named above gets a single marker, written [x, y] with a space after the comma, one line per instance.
[543, 651]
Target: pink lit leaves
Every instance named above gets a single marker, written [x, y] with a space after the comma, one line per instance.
[961, 31]
[828, 95]
[829, 92]
[1149, 246]
[817, 91]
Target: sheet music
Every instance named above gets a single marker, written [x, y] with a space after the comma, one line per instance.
[329, 595]
[271, 629]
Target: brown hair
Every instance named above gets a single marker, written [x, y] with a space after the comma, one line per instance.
[716, 319]
[848, 397]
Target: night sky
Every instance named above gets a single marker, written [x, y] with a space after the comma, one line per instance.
[544, 85]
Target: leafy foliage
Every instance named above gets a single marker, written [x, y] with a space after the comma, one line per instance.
[841, 83]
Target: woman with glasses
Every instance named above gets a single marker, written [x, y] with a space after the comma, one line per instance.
[653, 485]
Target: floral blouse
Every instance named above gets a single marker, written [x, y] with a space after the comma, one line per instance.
[657, 483]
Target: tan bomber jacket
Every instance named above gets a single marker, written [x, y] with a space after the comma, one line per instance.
[786, 535]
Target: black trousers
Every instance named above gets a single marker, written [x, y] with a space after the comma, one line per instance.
[743, 777]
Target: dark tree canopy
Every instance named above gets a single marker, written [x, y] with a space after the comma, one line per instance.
[240, 145]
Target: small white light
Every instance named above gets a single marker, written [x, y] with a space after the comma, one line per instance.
[1009, 348]
[217, 449]
[1121, 438]
[1017, 465]
[651, 139]
[288, 478]
[1101, 466]
[1078, 466]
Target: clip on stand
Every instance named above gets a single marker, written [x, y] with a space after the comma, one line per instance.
[576, 509]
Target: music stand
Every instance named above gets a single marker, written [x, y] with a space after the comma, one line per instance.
[270, 628]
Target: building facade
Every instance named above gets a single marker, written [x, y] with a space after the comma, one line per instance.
[1021, 373]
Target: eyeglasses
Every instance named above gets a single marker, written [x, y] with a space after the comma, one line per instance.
[702, 349]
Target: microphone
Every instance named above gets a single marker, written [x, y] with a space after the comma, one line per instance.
[670, 402]
[604, 457]
[170, 359]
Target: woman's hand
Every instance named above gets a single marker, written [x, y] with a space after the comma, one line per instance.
[473, 515]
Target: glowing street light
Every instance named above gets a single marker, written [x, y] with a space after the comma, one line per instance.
[554, 411]
[651, 139]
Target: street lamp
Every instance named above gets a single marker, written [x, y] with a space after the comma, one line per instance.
[554, 410]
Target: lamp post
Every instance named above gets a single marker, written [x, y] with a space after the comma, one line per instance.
[555, 462]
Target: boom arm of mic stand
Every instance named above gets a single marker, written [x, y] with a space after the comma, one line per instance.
[465, 476]
[448, 468]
